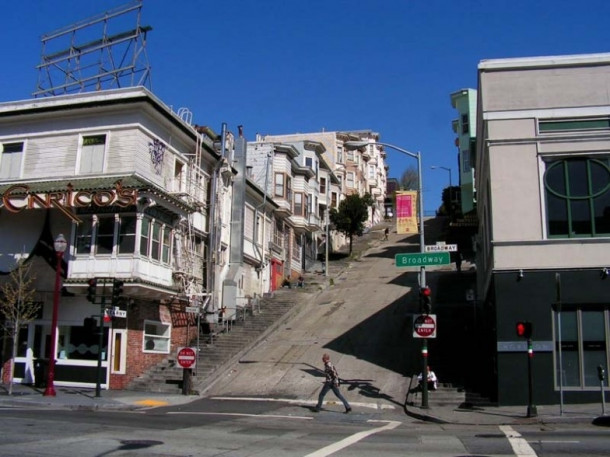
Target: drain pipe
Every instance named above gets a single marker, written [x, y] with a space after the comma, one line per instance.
[213, 235]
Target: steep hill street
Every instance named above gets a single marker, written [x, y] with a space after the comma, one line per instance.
[362, 319]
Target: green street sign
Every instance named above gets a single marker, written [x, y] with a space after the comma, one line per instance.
[422, 259]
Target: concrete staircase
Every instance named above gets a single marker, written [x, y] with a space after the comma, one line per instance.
[218, 351]
[447, 395]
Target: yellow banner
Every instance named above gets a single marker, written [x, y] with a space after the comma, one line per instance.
[406, 212]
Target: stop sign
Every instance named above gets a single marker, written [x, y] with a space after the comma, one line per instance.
[187, 357]
[424, 326]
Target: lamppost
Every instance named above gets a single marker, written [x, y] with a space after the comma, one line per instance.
[60, 246]
[415, 155]
[434, 167]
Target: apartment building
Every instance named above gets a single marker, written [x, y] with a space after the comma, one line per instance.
[465, 103]
[543, 204]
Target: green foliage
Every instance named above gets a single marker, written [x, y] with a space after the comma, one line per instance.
[353, 212]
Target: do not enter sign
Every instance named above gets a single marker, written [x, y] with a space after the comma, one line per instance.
[424, 326]
[187, 357]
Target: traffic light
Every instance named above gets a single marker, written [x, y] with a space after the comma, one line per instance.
[524, 329]
[91, 290]
[425, 300]
[117, 290]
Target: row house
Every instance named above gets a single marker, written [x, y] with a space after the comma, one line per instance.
[142, 197]
[300, 183]
[358, 171]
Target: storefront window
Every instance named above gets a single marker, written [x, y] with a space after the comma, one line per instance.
[593, 345]
[583, 346]
[80, 342]
[156, 337]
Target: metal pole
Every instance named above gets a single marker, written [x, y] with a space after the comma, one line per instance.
[424, 373]
[558, 285]
[422, 238]
[532, 411]
[50, 389]
[98, 384]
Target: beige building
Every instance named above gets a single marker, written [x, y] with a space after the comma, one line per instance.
[543, 201]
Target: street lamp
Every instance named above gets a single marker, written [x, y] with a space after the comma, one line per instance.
[60, 246]
[422, 246]
[415, 155]
[434, 167]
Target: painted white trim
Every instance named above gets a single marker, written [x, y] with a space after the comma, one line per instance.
[554, 113]
[544, 61]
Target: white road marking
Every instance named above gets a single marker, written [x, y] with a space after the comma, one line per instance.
[332, 448]
[264, 416]
[303, 402]
[520, 446]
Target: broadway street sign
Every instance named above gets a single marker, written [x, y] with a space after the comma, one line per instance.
[422, 260]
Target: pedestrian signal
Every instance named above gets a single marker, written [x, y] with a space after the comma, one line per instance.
[524, 329]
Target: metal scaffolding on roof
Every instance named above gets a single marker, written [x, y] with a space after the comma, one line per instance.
[95, 54]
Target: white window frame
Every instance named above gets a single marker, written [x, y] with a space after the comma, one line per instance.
[85, 165]
[163, 337]
[350, 179]
[122, 355]
[11, 163]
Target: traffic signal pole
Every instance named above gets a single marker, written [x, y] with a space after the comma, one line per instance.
[532, 411]
[424, 374]
[98, 384]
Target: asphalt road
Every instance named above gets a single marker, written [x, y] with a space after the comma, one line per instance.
[237, 428]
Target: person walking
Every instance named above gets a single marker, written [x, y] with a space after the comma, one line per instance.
[386, 232]
[331, 383]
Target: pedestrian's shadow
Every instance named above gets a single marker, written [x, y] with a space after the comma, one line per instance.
[367, 389]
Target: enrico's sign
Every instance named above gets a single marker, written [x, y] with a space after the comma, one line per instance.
[19, 197]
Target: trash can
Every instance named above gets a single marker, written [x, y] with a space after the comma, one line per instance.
[41, 371]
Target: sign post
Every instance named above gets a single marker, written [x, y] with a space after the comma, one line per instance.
[424, 327]
[187, 359]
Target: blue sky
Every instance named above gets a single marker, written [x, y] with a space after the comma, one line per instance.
[286, 66]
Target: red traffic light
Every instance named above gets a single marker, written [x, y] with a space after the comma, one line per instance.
[425, 291]
[524, 329]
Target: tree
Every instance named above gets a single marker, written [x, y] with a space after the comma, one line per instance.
[409, 179]
[18, 307]
[451, 205]
[349, 219]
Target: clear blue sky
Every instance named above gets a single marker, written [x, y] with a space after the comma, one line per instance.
[286, 66]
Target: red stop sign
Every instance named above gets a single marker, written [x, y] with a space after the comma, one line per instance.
[424, 326]
[187, 357]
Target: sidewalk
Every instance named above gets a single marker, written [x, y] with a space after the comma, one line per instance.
[590, 413]
[83, 398]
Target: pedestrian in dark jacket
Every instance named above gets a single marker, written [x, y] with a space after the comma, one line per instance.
[331, 383]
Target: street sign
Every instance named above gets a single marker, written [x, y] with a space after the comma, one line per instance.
[187, 357]
[441, 247]
[422, 259]
[192, 309]
[115, 312]
[424, 326]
